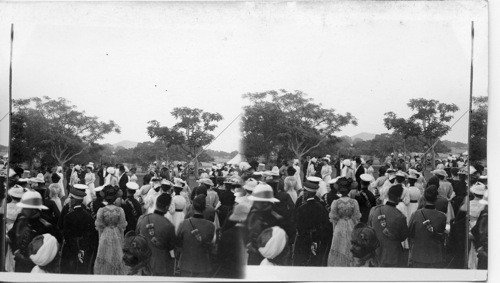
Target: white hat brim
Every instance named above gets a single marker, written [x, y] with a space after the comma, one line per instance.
[22, 205]
[254, 198]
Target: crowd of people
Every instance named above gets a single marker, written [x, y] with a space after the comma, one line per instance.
[104, 222]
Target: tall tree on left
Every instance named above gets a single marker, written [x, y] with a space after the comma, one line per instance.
[53, 128]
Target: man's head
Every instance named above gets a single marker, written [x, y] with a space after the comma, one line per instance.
[431, 194]
[163, 202]
[200, 203]
[395, 193]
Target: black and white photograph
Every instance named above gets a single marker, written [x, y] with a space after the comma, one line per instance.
[233, 140]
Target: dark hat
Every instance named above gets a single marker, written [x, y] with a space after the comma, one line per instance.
[395, 191]
[431, 193]
[110, 193]
[55, 178]
[163, 202]
[311, 187]
[200, 203]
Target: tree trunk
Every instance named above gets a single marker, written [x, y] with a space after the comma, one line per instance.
[195, 161]
[433, 159]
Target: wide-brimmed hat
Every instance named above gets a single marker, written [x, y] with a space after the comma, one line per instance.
[366, 177]
[110, 193]
[166, 182]
[250, 184]
[240, 213]
[206, 181]
[31, 199]
[401, 174]
[440, 172]
[275, 171]
[263, 192]
[327, 159]
[77, 167]
[132, 186]
[90, 165]
[412, 176]
[484, 200]
[38, 179]
[98, 189]
[478, 189]
[204, 176]
[314, 159]
[16, 191]
[244, 166]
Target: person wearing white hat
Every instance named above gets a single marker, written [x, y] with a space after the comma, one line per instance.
[326, 170]
[366, 199]
[43, 251]
[90, 181]
[131, 207]
[311, 171]
[75, 179]
[15, 193]
[273, 243]
[445, 188]
[347, 170]
[480, 235]
[312, 228]
[80, 236]
[298, 172]
[260, 217]
[478, 190]
[291, 184]
[27, 226]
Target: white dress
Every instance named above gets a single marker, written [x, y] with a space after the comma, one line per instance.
[297, 176]
[89, 181]
[326, 173]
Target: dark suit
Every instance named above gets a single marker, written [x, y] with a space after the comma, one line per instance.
[360, 170]
[427, 248]
[79, 235]
[390, 252]
[122, 183]
[102, 175]
[312, 226]
[366, 201]
[132, 210]
[231, 254]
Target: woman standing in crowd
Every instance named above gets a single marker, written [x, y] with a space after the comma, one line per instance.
[89, 181]
[56, 191]
[110, 224]
[344, 214]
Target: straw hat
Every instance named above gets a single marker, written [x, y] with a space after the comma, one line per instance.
[478, 189]
[31, 199]
[110, 170]
[440, 172]
[206, 181]
[250, 184]
[347, 162]
[263, 192]
[16, 191]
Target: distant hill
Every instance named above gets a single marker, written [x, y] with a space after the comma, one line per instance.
[125, 144]
[364, 136]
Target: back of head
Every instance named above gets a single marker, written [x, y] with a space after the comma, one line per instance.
[163, 202]
[395, 192]
[199, 203]
[201, 190]
[431, 194]
[382, 170]
[291, 171]
[434, 180]
[55, 178]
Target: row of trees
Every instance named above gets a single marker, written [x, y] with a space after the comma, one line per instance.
[54, 132]
[285, 125]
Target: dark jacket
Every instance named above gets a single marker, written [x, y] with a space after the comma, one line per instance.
[195, 255]
[312, 227]
[122, 183]
[257, 221]
[24, 230]
[231, 255]
[366, 200]
[164, 232]
[79, 235]
[390, 252]
[133, 211]
[427, 247]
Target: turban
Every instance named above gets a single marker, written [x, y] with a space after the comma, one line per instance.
[47, 252]
[275, 244]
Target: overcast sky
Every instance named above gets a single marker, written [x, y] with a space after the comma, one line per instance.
[135, 62]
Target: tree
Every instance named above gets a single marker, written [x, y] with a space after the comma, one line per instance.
[427, 124]
[45, 126]
[191, 133]
[276, 119]
[478, 133]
